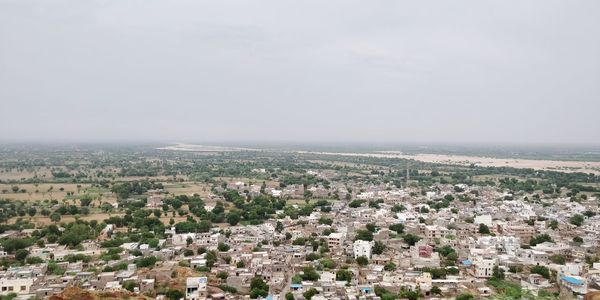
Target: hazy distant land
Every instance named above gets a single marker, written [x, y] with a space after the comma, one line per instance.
[450, 159]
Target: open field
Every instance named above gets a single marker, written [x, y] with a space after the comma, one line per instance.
[42, 191]
[187, 188]
[203, 148]
[43, 220]
[15, 174]
[463, 160]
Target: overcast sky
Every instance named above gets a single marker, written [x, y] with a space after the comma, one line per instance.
[393, 71]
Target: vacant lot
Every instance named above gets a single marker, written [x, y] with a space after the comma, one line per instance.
[14, 174]
[52, 191]
[463, 160]
[43, 220]
[188, 188]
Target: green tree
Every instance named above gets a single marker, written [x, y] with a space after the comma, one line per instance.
[130, 285]
[540, 239]
[233, 218]
[576, 220]
[390, 267]
[309, 274]
[378, 247]
[364, 235]
[484, 229]
[258, 288]
[465, 296]
[21, 254]
[310, 293]
[541, 270]
[498, 273]
[343, 275]
[223, 247]
[54, 217]
[398, 228]
[411, 239]
[362, 261]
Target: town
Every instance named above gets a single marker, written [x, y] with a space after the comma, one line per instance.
[149, 223]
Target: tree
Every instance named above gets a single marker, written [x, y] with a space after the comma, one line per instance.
[410, 295]
[578, 240]
[189, 240]
[484, 229]
[289, 296]
[54, 217]
[310, 293]
[390, 267]
[326, 221]
[223, 247]
[355, 203]
[328, 263]
[31, 211]
[222, 275]
[362, 261]
[378, 247]
[364, 235]
[371, 227]
[312, 256]
[130, 285]
[540, 239]
[343, 275]
[553, 225]
[173, 294]
[465, 296]
[21, 254]
[279, 227]
[576, 220]
[541, 270]
[436, 290]
[411, 239]
[233, 218]
[309, 274]
[258, 288]
[558, 259]
[498, 273]
[398, 208]
[398, 228]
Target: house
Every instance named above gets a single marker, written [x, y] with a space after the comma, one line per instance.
[362, 248]
[195, 288]
[15, 285]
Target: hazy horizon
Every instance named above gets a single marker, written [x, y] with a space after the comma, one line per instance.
[395, 72]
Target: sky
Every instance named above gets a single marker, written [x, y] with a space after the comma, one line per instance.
[318, 71]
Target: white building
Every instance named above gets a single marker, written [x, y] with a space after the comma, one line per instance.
[362, 248]
[483, 219]
[15, 285]
[484, 267]
[195, 288]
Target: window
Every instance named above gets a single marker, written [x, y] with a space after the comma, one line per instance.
[23, 288]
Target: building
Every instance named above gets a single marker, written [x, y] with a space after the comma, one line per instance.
[362, 248]
[195, 288]
[15, 285]
[484, 267]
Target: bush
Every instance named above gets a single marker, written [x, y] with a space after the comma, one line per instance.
[541, 270]
[465, 296]
[362, 261]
